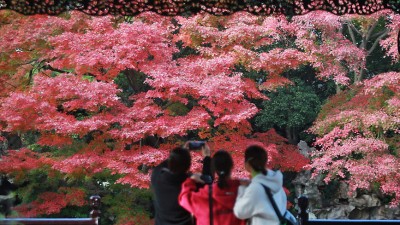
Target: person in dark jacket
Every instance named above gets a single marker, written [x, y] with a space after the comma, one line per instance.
[166, 181]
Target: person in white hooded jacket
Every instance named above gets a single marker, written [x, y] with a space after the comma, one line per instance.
[252, 202]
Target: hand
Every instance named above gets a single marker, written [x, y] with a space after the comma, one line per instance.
[197, 178]
[205, 150]
[245, 182]
[186, 145]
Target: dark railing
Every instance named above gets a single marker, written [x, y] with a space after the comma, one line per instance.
[303, 218]
[92, 220]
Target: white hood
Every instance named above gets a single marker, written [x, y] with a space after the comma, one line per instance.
[273, 180]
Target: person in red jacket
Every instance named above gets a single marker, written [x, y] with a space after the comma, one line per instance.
[224, 192]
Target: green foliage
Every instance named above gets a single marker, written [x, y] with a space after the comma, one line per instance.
[293, 106]
[177, 109]
[386, 199]
[29, 138]
[307, 75]
[350, 94]
[36, 182]
[81, 114]
[72, 212]
[122, 82]
[393, 141]
[184, 51]
[119, 201]
[123, 202]
[377, 63]
[329, 192]
[307, 137]
[40, 148]
[252, 74]
[68, 150]
[130, 82]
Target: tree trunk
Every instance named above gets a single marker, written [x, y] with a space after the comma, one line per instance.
[292, 135]
[337, 89]
[358, 77]
[367, 36]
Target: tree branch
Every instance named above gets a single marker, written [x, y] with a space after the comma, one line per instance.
[350, 29]
[30, 77]
[6, 82]
[379, 33]
[377, 41]
[26, 63]
[129, 76]
[371, 28]
[48, 67]
[355, 29]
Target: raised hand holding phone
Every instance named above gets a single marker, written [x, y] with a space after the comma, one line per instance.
[195, 145]
[205, 150]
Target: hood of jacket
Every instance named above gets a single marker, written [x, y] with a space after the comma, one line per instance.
[273, 180]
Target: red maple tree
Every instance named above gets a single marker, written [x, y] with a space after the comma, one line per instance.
[61, 92]
[62, 96]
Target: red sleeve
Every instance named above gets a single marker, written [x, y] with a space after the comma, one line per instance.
[185, 197]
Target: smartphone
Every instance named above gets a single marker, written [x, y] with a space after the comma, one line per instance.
[206, 178]
[196, 145]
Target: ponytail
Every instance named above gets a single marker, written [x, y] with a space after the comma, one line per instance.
[223, 164]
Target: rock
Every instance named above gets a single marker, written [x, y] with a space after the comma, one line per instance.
[306, 186]
[6, 202]
[384, 213]
[304, 148]
[359, 214]
[5, 198]
[365, 201]
[343, 191]
[336, 212]
[334, 201]
[312, 216]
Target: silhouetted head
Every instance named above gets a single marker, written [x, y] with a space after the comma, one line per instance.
[223, 164]
[256, 157]
[179, 160]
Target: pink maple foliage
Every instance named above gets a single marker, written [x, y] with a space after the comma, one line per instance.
[355, 143]
[76, 59]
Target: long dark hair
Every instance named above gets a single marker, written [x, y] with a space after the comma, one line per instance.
[223, 164]
[257, 157]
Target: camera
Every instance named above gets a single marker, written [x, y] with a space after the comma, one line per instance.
[196, 145]
[207, 179]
